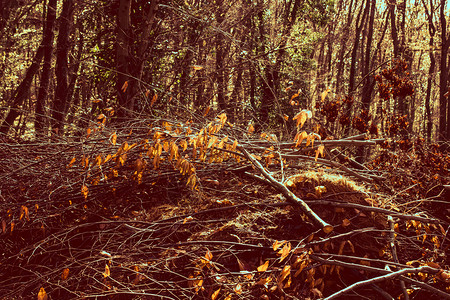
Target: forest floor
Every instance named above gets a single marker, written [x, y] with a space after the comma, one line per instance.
[76, 226]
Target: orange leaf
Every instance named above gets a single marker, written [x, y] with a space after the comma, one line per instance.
[215, 294]
[251, 129]
[346, 222]
[3, 226]
[299, 137]
[277, 245]
[319, 151]
[285, 251]
[286, 117]
[25, 212]
[222, 118]
[324, 94]
[107, 271]
[155, 97]
[208, 255]
[197, 67]
[84, 191]
[263, 267]
[42, 295]
[187, 219]
[206, 111]
[284, 273]
[71, 162]
[65, 274]
[124, 86]
[88, 132]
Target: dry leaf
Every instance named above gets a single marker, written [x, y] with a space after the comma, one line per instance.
[251, 129]
[187, 219]
[71, 162]
[346, 222]
[107, 271]
[124, 86]
[285, 251]
[319, 151]
[278, 244]
[324, 94]
[65, 274]
[284, 273]
[155, 97]
[263, 267]
[42, 295]
[215, 294]
[84, 191]
[208, 255]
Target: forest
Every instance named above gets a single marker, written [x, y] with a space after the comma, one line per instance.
[224, 149]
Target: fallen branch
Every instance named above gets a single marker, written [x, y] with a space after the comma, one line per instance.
[422, 269]
[287, 193]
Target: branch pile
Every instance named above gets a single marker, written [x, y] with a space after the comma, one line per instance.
[177, 209]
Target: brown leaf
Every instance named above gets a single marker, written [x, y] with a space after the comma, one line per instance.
[71, 162]
[84, 191]
[284, 273]
[285, 251]
[215, 294]
[319, 151]
[124, 86]
[324, 94]
[263, 267]
[251, 129]
[277, 245]
[42, 295]
[65, 274]
[346, 222]
[155, 97]
[107, 271]
[208, 255]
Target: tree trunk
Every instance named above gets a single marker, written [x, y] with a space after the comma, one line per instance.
[40, 115]
[343, 42]
[432, 31]
[220, 53]
[22, 91]
[62, 51]
[369, 82]
[123, 57]
[394, 33]
[359, 25]
[444, 131]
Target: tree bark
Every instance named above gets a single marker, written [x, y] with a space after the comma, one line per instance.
[369, 82]
[123, 57]
[22, 91]
[432, 31]
[220, 53]
[359, 25]
[444, 125]
[40, 114]
[62, 51]
[343, 42]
